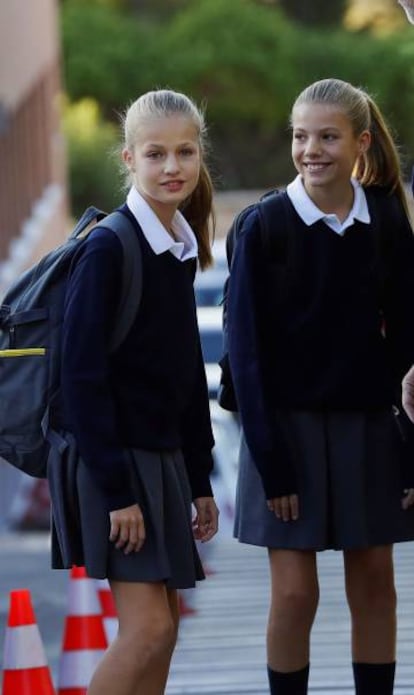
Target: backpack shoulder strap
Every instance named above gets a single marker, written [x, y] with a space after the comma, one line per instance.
[89, 219]
[237, 224]
[131, 291]
[275, 224]
[281, 241]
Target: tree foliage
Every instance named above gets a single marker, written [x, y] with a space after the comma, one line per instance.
[245, 60]
[94, 171]
[107, 55]
[232, 61]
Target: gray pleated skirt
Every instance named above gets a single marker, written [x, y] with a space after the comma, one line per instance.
[80, 532]
[349, 485]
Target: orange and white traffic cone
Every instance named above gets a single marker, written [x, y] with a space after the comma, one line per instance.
[109, 614]
[84, 641]
[184, 607]
[25, 670]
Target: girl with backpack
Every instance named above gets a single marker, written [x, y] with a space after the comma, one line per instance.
[321, 463]
[140, 416]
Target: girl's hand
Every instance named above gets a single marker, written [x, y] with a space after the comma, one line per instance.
[285, 508]
[205, 522]
[408, 393]
[408, 499]
[127, 529]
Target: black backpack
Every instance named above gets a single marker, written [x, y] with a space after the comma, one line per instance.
[31, 316]
[275, 213]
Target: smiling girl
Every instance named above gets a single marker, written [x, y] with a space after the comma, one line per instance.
[315, 375]
[140, 416]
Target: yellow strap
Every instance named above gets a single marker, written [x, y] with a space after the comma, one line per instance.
[23, 352]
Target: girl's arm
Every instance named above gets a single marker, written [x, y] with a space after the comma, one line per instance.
[399, 321]
[90, 311]
[399, 289]
[197, 435]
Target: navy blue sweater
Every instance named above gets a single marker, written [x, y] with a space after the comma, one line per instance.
[322, 347]
[149, 394]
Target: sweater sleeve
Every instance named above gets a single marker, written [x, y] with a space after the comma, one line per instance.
[89, 316]
[197, 435]
[399, 320]
[247, 322]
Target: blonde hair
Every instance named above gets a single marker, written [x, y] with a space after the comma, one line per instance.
[198, 208]
[380, 165]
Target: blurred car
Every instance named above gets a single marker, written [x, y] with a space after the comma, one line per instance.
[208, 284]
[211, 334]
[227, 437]
[208, 288]
[225, 454]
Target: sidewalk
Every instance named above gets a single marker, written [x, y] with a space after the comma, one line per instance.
[221, 649]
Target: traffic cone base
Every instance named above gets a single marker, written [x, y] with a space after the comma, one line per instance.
[25, 670]
[28, 681]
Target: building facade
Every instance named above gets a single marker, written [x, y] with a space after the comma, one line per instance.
[33, 197]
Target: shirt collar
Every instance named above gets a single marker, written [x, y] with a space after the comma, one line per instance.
[310, 213]
[155, 233]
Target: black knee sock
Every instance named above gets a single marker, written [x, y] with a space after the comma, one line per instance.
[374, 679]
[292, 683]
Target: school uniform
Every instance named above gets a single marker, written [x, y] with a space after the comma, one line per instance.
[138, 419]
[315, 378]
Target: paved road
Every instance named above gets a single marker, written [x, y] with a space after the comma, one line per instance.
[221, 649]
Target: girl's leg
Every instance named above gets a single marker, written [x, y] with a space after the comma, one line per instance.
[138, 659]
[154, 682]
[370, 589]
[294, 600]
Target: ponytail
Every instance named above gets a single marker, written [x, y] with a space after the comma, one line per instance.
[380, 165]
[199, 212]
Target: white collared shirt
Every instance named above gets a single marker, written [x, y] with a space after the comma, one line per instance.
[156, 234]
[310, 213]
